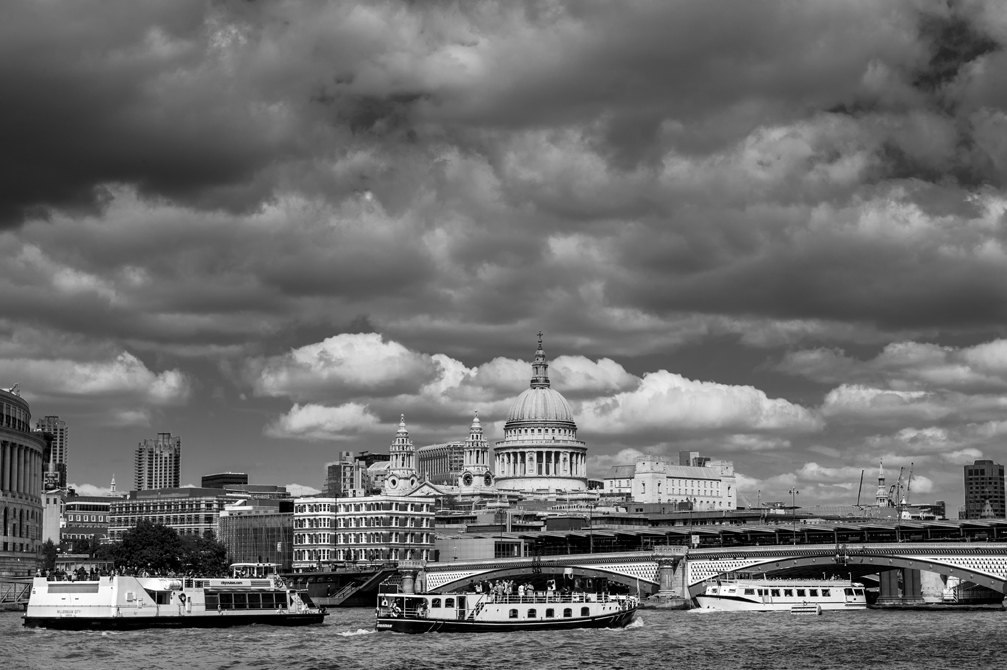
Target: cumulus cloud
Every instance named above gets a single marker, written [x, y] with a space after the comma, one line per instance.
[665, 401]
[123, 375]
[318, 422]
[348, 363]
[672, 193]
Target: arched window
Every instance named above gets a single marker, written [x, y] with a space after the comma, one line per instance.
[567, 612]
[512, 614]
[585, 611]
[532, 614]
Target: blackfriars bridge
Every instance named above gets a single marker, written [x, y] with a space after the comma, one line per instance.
[681, 571]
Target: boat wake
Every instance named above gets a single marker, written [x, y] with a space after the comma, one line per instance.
[636, 623]
[359, 631]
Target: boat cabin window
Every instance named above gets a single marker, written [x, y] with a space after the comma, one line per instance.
[759, 591]
[848, 592]
[775, 593]
[240, 601]
[436, 602]
[532, 613]
[826, 593]
[749, 592]
[567, 612]
[813, 593]
[788, 593]
[550, 613]
[159, 597]
[512, 614]
[859, 592]
[585, 611]
[800, 593]
[449, 602]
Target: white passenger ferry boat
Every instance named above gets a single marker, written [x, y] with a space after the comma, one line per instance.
[485, 612]
[782, 595]
[253, 595]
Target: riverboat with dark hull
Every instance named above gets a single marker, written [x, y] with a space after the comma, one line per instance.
[130, 602]
[487, 612]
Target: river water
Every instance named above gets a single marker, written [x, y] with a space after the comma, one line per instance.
[658, 639]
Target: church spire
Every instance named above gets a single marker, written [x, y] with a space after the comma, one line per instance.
[539, 368]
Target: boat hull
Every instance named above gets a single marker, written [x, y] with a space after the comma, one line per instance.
[205, 621]
[618, 619]
[727, 604]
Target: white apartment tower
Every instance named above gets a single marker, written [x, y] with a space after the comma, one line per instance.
[158, 463]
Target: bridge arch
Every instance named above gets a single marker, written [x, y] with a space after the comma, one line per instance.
[523, 573]
[992, 574]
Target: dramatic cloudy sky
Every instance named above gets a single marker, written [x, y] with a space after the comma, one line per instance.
[772, 232]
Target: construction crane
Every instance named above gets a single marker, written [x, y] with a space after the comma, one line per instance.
[895, 491]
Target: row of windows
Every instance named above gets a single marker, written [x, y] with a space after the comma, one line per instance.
[132, 508]
[16, 418]
[344, 508]
[366, 522]
[85, 517]
[362, 538]
[246, 601]
[550, 613]
[801, 593]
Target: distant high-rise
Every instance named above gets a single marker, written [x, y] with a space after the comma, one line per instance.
[158, 463]
[984, 491]
[56, 463]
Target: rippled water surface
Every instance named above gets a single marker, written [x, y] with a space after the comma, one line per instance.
[658, 639]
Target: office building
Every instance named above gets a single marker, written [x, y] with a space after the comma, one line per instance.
[258, 531]
[158, 463]
[59, 449]
[369, 529]
[653, 479]
[984, 491]
[190, 511]
[441, 463]
[223, 479]
[345, 478]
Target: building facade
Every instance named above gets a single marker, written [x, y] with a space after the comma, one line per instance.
[654, 479]
[345, 478]
[369, 529]
[158, 463]
[85, 518]
[223, 479]
[21, 474]
[190, 511]
[258, 531]
[59, 449]
[540, 452]
[984, 491]
[441, 463]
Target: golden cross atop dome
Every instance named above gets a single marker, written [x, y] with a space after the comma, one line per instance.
[540, 339]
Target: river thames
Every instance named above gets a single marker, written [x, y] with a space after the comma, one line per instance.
[658, 639]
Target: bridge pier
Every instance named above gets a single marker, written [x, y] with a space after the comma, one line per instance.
[894, 593]
[672, 579]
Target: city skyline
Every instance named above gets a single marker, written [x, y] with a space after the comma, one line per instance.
[772, 235]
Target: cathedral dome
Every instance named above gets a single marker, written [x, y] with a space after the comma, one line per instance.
[540, 405]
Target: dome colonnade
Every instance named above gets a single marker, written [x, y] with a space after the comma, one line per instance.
[21, 474]
[540, 450]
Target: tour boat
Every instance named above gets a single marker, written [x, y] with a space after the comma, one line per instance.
[783, 595]
[487, 612]
[129, 602]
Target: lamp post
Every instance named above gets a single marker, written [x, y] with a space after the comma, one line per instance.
[793, 510]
